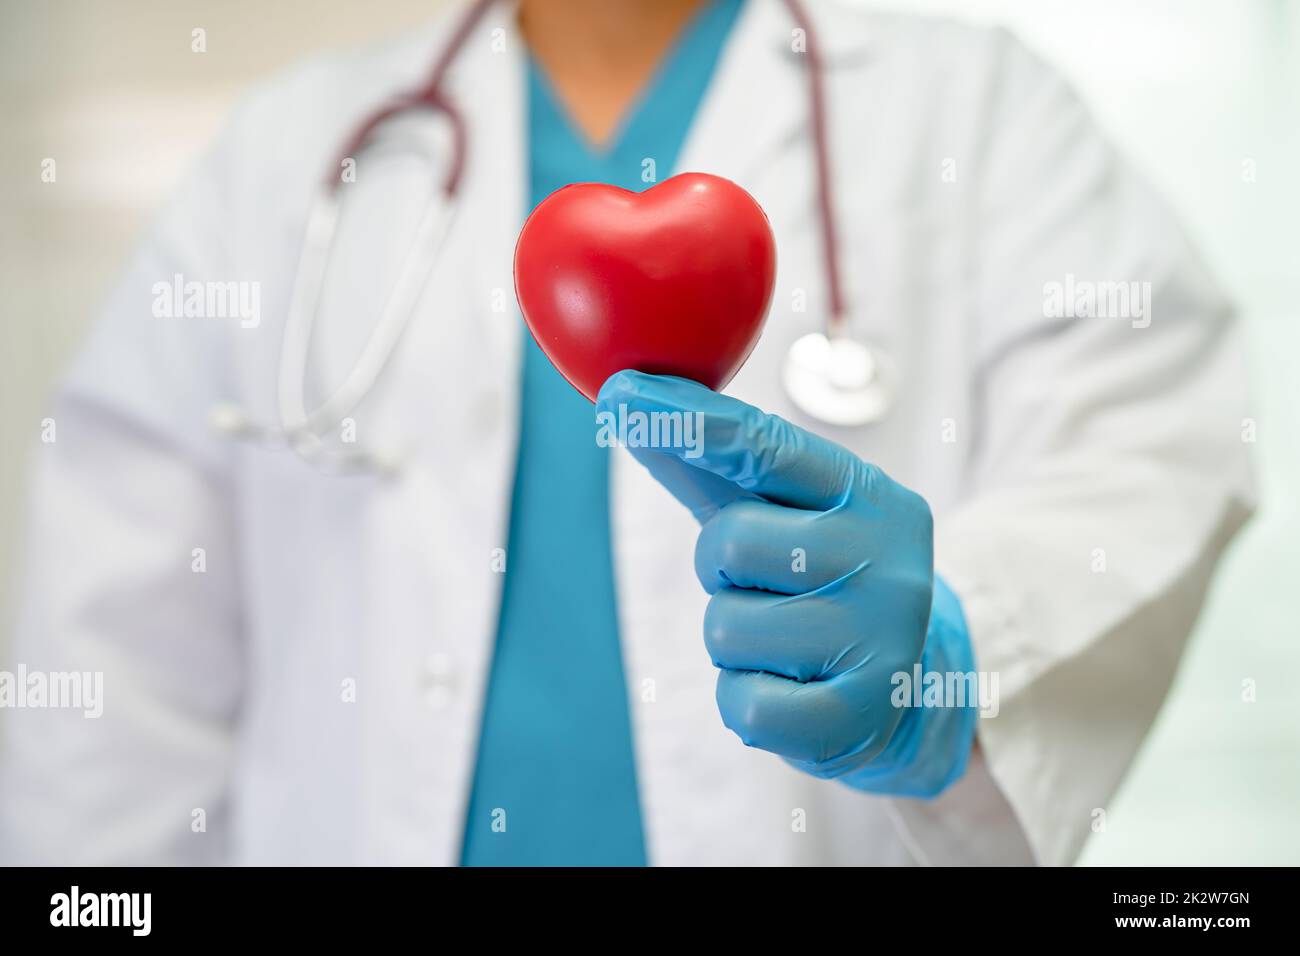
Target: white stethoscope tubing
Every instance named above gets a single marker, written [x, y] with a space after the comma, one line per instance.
[431, 233]
[304, 432]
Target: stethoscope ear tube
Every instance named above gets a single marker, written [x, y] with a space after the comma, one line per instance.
[297, 429]
[431, 233]
[822, 157]
[322, 223]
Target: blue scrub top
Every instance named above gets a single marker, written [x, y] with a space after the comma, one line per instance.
[555, 782]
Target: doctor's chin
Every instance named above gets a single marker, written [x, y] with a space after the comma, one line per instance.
[650, 433]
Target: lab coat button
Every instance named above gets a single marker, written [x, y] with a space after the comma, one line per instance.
[439, 684]
[487, 411]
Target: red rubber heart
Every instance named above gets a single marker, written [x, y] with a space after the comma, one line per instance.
[676, 280]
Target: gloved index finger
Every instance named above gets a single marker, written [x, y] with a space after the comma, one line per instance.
[762, 454]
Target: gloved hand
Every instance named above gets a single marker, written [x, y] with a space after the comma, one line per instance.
[820, 569]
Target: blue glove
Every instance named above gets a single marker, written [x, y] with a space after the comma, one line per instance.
[820, 569]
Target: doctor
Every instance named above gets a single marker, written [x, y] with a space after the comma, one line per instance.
[494, 654]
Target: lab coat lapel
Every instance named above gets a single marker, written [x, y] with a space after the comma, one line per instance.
[751, 105]
[758, 101]
[439, 532]
[490, 85]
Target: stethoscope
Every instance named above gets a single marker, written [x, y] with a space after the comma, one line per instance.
[828, 375]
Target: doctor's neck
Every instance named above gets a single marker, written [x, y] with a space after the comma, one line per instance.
[599, 54]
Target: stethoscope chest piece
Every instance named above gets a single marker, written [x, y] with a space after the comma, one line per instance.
[839, 380]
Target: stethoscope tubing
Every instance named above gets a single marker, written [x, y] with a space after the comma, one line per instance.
[303, 431]
[822, 151]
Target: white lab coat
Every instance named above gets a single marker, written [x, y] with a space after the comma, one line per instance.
[967, 175]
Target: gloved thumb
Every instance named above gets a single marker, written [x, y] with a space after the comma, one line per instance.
[736, 450]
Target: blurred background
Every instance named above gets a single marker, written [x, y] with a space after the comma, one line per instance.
[1203, 95]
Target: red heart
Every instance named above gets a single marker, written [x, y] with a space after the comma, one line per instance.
[675, 280]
